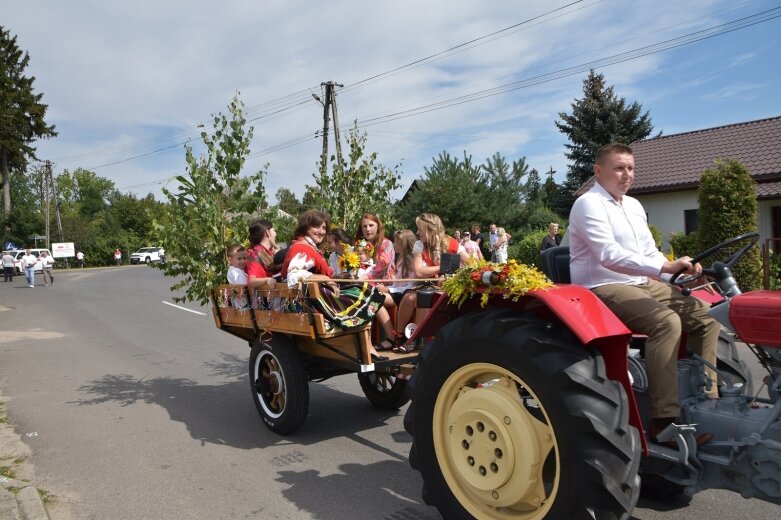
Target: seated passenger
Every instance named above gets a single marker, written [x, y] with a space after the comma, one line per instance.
[237, 258]
[353, 306]
[426, 253]
[380, 250]
[260, 267]
[363, 250]
[337, 241]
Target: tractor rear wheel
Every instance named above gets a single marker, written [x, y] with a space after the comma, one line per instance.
[513, 418]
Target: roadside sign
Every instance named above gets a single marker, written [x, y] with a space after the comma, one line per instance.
[63, 250]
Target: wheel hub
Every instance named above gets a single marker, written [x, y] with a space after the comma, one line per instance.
[494, 446]
[276, 383]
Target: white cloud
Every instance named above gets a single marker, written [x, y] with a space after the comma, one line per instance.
[115, 74]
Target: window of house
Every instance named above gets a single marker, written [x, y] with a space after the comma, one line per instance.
[691, 220]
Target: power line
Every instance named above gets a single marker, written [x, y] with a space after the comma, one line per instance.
[192, 132]
[614, 59]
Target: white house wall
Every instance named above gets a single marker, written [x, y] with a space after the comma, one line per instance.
[665, 211]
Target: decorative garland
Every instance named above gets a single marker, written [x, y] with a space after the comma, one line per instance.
[513, 279]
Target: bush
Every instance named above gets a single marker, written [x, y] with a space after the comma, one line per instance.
[527, 250]
[775, 272]
[728, 207]
[685, 245]
[541, 217]
[657, 234]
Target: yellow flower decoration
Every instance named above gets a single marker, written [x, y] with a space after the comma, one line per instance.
[349, 261]
[512, 279]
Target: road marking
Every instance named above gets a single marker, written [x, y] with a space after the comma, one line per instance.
[184, 308]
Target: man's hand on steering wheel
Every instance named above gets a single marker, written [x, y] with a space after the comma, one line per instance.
[683, 264]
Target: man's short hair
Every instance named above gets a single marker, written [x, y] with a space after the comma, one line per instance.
[612, 148]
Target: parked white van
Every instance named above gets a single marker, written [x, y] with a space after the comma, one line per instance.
[19, 253]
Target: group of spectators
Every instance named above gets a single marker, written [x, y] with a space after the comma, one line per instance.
[29, 261]
[494, 249]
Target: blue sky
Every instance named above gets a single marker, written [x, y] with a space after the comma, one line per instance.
[126, 79]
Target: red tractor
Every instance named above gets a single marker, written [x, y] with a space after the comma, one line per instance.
[526, 410]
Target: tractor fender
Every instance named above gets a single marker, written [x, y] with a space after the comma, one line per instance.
[582, 312]
[595, 325]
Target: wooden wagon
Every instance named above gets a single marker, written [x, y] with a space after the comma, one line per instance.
[292, 344]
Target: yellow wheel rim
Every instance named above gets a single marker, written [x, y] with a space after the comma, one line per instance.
[495, 444]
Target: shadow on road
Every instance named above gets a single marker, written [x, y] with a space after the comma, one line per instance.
[225, 413]
[391, 487]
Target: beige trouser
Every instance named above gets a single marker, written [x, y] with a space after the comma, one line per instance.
[662, 312]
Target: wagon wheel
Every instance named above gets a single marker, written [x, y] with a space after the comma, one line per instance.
[384, 390]
[513, 419]
[279, 385]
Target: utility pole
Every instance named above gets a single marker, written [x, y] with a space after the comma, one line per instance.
[329, 107]
[337, 140]
[329, 88]
[47, 179]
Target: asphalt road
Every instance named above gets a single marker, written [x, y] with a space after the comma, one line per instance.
[138, 409]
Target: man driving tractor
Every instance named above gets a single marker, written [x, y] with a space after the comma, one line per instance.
[612, 252]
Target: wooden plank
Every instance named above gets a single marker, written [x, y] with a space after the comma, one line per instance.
[290, 322]
[344, 343]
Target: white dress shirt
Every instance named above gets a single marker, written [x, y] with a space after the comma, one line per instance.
[610, 242]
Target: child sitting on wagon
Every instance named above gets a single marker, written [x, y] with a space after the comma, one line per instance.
[237, 260]
[364, 249]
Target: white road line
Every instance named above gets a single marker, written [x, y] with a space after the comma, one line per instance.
[183, 308]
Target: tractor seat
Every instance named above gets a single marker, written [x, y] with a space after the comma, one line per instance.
[555, 264]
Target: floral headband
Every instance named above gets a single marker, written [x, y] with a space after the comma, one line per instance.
[365, 245]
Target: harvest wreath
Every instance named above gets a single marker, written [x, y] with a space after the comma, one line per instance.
[512, 278]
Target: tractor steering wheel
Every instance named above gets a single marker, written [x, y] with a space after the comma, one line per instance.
[680, 280]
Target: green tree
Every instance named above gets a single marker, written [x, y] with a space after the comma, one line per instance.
[84, 192]
[357, 185]
[25, 218]
[600, 117]
[451, 188]
[550, 188]
[211, 207]
[506, 190]
[287, 202]
[728, 207]
[21, 114]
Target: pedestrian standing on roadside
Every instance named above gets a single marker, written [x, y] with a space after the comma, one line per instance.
[28, 261]
[477, 236]
[552, 239]
[47, 263]
[8, 267]
[118, 256]
[80, 259]
[500, 245]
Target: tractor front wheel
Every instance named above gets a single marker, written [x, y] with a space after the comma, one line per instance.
[513, 418]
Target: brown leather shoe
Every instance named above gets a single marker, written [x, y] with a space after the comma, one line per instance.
[658, 425]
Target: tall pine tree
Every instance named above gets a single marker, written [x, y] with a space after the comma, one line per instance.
[21, 114]
[598, 118]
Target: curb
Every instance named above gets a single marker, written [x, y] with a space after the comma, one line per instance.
[20, 501]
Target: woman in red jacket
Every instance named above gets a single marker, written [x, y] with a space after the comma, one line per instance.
[351, 306]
